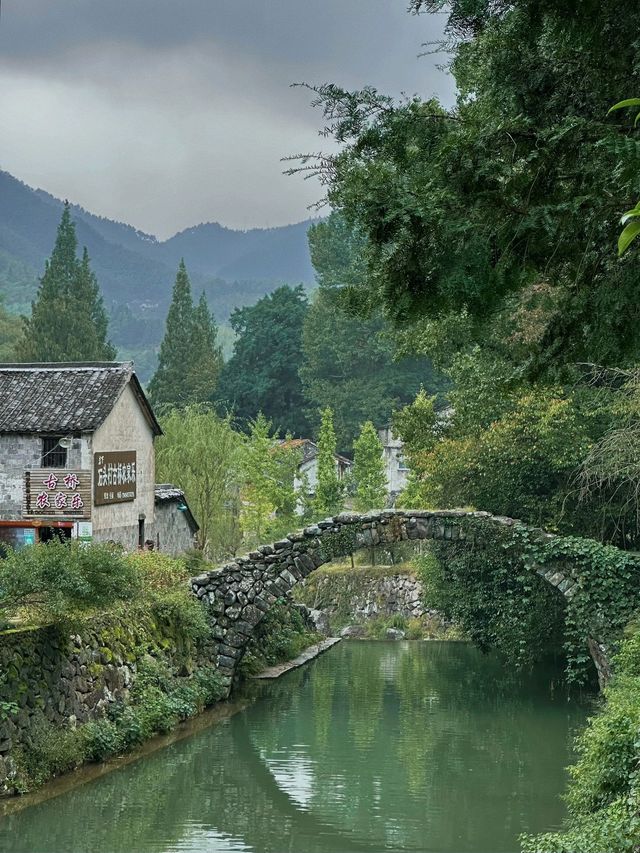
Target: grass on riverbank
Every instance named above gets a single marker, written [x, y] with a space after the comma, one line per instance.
[281, 636]
[415, 628]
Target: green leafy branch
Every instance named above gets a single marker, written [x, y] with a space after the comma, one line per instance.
[631, 219]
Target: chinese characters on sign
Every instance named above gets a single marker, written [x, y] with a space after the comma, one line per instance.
[58, 493]
[114, 477]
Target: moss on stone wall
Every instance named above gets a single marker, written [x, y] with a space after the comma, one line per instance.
[71, 693]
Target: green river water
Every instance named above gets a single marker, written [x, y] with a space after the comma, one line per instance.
[374, 746]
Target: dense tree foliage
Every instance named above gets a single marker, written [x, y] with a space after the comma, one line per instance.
[268, 498]
[516, 189]
[349, 366]
[201, 453]
[350, 361]
[262, 374]
[9, 334]
[520, 465]
[68, 321]
[487, 235]
[18, 283]
[190, 359]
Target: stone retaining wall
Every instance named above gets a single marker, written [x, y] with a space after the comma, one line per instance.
[360, 595]
[55, 678]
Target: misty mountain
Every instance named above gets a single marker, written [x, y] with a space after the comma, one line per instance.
[276, 254]
[135, 270]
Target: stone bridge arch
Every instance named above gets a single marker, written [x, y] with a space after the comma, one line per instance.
[240, 593]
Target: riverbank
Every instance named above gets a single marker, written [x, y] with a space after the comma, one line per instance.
[38, 778]
[305, 657]
[330, 752]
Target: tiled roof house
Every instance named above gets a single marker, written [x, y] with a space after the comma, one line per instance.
[76, 454]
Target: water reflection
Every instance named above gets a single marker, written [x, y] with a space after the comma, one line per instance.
[401, 746]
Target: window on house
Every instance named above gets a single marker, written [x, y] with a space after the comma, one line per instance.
[53, 454]
[402, 464]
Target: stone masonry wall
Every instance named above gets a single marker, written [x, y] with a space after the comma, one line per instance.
[172, 529]
[22, 453]
[362, 594]
[25, 452]
[54, 678]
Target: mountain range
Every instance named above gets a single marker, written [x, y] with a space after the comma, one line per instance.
[136, 271]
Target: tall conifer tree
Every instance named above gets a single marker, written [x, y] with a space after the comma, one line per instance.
[168, 385]
[68, 321]
[329, 495]
[368, 470]
[190, 358]
[206, 354]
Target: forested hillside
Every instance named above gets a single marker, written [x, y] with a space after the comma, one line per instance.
[136, 271]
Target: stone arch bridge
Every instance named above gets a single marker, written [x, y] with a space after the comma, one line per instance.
[240, 593]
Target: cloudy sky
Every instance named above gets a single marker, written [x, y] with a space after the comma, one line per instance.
[167, 113]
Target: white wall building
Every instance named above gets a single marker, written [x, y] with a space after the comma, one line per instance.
[308, 467]
[395, 466]
[76, 454]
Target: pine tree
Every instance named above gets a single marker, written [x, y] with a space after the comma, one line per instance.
[68, 321]
[368, 470]
[329, 495]
[206, 355]
[168, 385]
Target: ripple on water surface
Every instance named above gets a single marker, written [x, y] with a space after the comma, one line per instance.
[397, 746]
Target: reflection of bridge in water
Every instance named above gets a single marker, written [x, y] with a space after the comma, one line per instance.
[212, 786]
[240, 593]
[342, 755]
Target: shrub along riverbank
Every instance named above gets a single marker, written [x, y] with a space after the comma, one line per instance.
[604, 791]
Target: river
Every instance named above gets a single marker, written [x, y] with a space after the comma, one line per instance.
[422, 746]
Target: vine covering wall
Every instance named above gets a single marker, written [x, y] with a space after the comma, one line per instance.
[595, 587]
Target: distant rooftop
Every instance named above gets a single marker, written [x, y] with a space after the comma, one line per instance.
[309, 449]
[65, 397]
[168, 493]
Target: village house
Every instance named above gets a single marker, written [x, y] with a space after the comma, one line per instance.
[175, 527]
[395, 466]
[307, 475]
[77, 459]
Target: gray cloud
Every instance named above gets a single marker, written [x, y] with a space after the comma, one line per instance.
[164, 114]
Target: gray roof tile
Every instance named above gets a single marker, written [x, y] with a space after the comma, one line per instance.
[62, 398]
